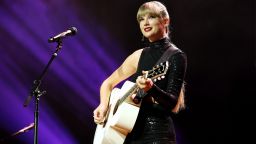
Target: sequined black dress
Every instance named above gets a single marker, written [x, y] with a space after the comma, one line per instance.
[154, 124]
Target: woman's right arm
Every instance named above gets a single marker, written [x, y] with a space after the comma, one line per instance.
[128, 68]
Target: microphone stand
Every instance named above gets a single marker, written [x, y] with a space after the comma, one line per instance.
[36, 92]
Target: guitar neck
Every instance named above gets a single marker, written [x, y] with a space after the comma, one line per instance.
[156, 73]
[131, 91]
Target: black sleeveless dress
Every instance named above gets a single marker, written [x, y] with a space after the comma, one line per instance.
[154, 124]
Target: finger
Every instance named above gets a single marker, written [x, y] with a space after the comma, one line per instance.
[138, 80]
[94, 113]
[133, 96]
[139, 77]
[97, 115]
[97, 119]
[141, 86]
[97, 122]
[145, 74]
[148, 81]
[141, 80]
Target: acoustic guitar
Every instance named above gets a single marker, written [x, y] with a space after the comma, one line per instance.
[122, 112]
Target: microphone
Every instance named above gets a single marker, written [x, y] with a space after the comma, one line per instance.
[70, 32]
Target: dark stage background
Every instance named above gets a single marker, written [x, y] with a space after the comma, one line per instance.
[217, 35]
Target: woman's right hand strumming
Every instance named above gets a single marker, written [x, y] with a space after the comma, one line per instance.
[99, 113]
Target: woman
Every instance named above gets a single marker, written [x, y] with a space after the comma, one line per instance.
[154, 124]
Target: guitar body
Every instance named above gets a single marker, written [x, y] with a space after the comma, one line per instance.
[122, 112]
[120, 119]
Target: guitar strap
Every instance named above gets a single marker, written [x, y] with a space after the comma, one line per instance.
[172, 49]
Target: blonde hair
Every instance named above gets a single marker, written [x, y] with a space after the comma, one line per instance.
[180, 105]
[153, 7]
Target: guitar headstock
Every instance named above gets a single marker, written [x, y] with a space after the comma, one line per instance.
[158, 72]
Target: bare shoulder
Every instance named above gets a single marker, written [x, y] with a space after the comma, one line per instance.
[138, 52]
[130, 64]
[134, 57]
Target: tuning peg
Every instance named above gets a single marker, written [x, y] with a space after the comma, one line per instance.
[162, 77]
[154, 80]
[159, 78]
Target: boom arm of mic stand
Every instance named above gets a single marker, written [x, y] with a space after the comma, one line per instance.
[37, 93]
[35, 88]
